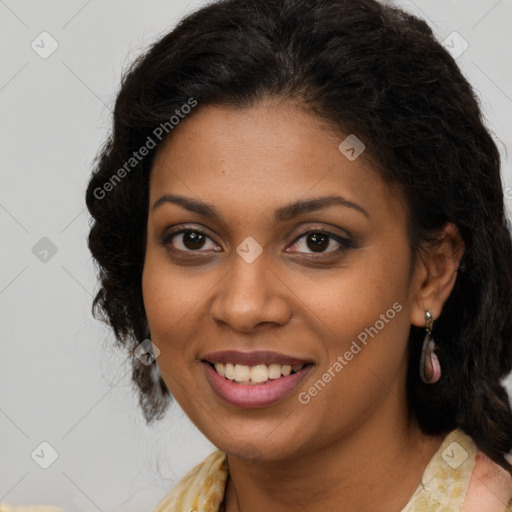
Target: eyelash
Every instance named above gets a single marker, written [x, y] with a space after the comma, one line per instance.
[345, 243]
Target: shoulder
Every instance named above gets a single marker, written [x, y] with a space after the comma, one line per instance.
[490, 487]
[202, 488]
[460, 478]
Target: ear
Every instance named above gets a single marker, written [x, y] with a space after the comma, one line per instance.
[435, 274]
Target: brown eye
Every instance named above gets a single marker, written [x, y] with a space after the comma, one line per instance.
[193, 240]
[319, 241]
[188, 240]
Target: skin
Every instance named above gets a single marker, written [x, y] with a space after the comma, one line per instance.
[357, 430]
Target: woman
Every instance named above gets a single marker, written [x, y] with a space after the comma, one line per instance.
[301, 208]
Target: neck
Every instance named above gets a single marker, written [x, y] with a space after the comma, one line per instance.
[371, 468]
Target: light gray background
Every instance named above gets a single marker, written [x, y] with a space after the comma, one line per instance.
[60, 381]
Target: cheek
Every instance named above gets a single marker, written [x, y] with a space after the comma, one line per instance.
[169, 303]
[368, 305]
[367, 314]
[169, 292]
[169, 299]
[175, 301]
[156, 295]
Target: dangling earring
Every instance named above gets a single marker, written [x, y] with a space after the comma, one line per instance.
[430, 369]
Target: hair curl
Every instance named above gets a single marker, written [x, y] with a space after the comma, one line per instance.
[367, 69]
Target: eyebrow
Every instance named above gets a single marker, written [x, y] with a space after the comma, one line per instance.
[281, 214]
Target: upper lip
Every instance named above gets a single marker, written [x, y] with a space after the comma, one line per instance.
[253, 358]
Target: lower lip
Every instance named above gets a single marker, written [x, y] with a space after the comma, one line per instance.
[254, 395]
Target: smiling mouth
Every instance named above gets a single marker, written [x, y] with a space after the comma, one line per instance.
[255, 375]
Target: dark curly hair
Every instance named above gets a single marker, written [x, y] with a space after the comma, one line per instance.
[366, 69]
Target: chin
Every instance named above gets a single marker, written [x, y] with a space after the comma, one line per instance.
[249, 446]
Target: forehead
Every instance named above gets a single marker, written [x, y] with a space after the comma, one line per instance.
[266, 155]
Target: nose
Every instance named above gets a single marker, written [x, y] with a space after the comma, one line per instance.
[250, 295]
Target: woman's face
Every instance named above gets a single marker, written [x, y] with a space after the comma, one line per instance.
[324, 288]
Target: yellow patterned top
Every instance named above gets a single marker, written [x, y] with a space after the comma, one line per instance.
[458, 478]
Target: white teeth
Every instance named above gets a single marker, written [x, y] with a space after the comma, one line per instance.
[286, 369]
[274, 371]
[220, 369]
[242, 373]
[258, 374]
[229, 371]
